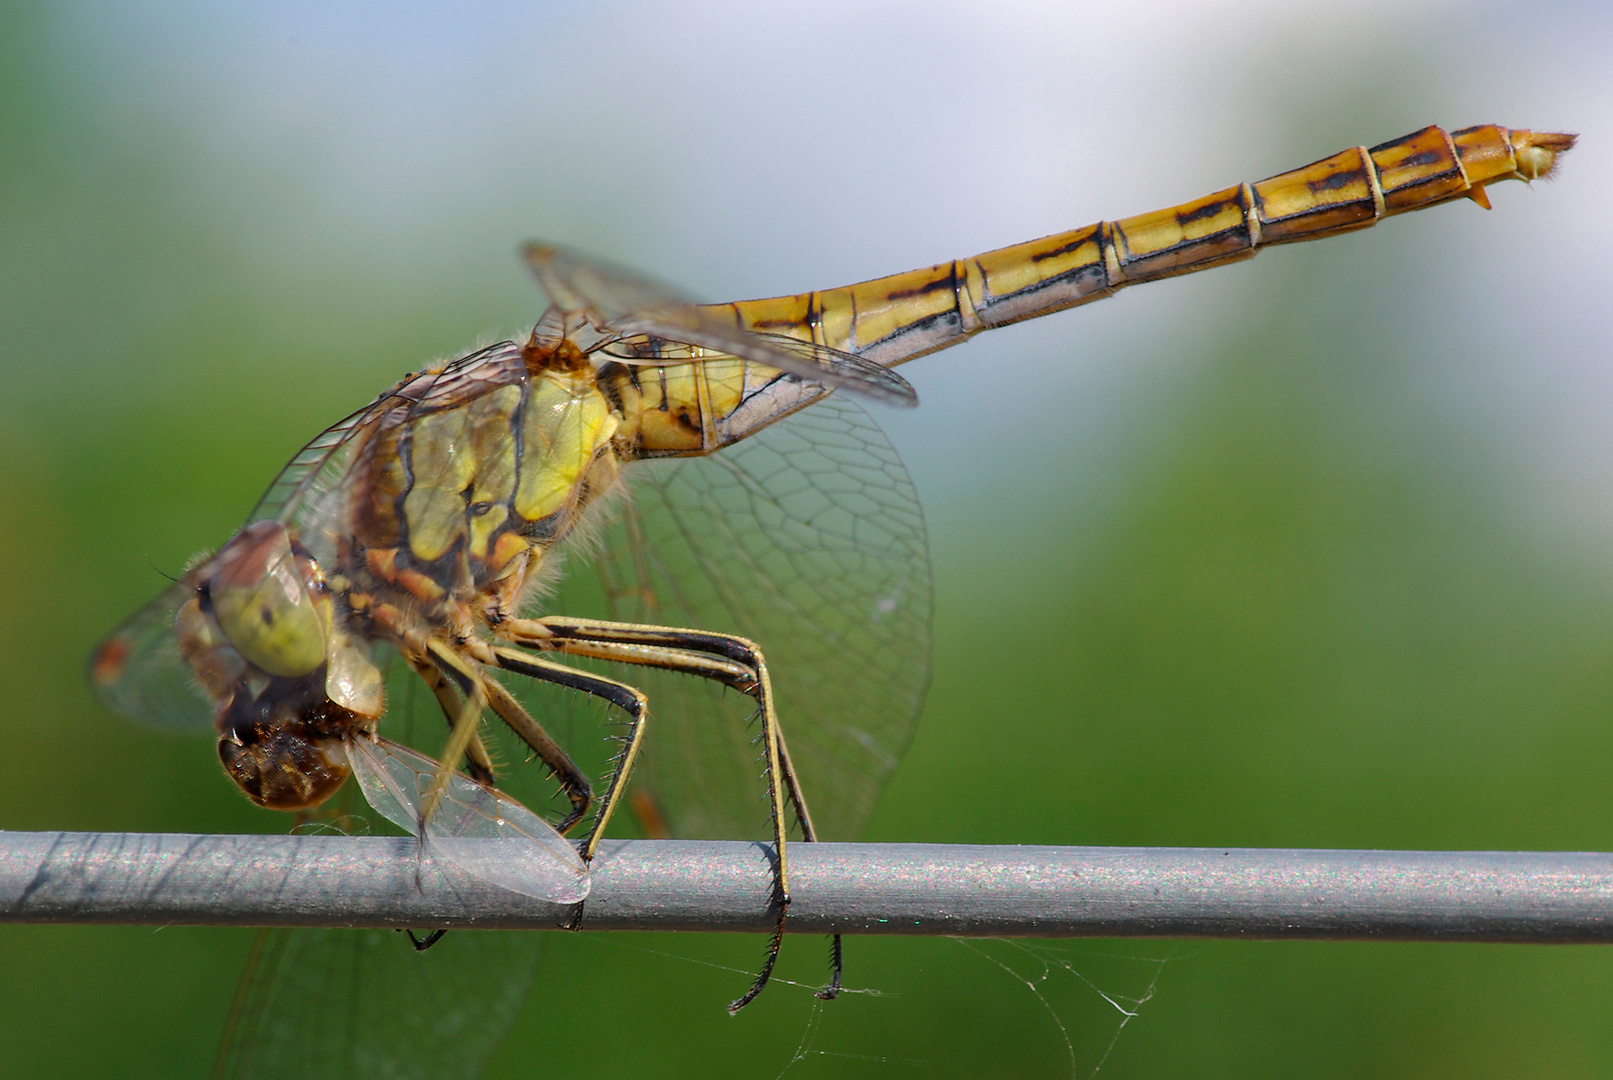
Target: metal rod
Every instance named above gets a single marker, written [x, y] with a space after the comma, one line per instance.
[944, 889]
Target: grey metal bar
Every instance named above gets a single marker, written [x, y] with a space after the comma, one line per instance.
[951, 889]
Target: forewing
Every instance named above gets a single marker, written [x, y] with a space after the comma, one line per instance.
[807, 539]
[704, 328]
[315, 469]
[621, 302]
[595, 289]
[137, 671]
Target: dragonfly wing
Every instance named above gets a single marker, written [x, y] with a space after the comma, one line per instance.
[820, 364]
[317, 468]
[483, 832]
[806, 538]
[137, 670]
[621, 302]
[593, 288]
[365, 1003]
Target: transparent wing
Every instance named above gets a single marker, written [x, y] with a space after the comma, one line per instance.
[620, 302]
[485, 833]
[365, 1005]
[703, 328]
[806, 538]
[137, 671]
[316, 468]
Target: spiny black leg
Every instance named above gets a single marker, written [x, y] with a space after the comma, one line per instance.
[832, 991]
[756, 987]
[624, 697]
[422, 944]
[732, 661]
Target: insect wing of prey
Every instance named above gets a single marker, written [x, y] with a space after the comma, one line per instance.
[480, 830]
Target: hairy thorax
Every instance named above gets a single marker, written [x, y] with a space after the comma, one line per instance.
[467, 480]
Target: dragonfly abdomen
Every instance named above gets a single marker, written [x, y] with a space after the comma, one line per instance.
[894, 319]
[698, 401]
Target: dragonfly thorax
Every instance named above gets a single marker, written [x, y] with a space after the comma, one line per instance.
[468, 478]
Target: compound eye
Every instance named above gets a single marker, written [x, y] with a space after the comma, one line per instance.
[262, 604]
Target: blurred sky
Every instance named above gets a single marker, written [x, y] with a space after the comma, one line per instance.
[222, 227]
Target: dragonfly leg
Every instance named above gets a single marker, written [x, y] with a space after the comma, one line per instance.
[477, 762]
[732, 661]
[619, 694]
[793, 785]
[421, 944]
[462, 729]
[446, 666]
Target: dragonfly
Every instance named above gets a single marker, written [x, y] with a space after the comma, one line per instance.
[755, 538]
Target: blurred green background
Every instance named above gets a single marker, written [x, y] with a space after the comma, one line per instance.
[1311, 551]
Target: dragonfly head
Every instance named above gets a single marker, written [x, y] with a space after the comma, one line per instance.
[289, 682]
